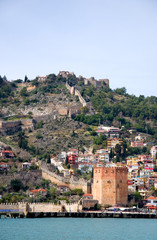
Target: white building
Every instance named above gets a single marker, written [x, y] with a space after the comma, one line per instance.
[153, 151]
[109, 131]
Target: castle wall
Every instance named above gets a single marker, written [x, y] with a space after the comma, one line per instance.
[104, 80]
[28, 124]
[72, 184]
[81, 99]
[9, 127]
[96, 83]
[10, 124]
[74, 91]
[41, 207]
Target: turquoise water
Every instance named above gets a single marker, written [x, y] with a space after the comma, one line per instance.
[78, 229]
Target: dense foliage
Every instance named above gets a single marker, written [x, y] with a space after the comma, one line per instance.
[6, 90]
[120, 109]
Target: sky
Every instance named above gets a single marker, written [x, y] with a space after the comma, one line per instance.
[114, 39]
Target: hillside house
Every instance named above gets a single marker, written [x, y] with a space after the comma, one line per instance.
[110, 132]
[112, 142]
[63, 188]
[151, 202]
[36, 192]
[152, 181]
[148, 165]
[72, 151]
[136, 144]
[3, 166]
[143, 158]
[6, 154]
[153, 152]
[139, 137]
[73, 159]
[26, 165]
[85, 167]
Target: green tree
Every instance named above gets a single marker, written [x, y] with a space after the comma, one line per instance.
[22, 141]
[118, 151]
[16, 185]
[111, 155]
[26, 78]
[24, 92]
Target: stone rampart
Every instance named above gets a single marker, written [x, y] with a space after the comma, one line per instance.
[76, 92]
[28, 124]
[13, 206]
[10, 124]
[41, 207]
[71, 183]
[96, 83]
[81, 99]
[10, 127]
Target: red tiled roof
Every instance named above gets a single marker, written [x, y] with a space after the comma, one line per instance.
[151, 197]
[6, 151]
[87, 195]
[38, 190]
[150, 206]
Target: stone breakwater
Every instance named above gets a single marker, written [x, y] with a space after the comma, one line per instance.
[80, 215]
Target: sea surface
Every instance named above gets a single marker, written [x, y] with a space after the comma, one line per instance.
[78, 229]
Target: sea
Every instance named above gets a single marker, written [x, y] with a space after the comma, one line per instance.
[78, 229]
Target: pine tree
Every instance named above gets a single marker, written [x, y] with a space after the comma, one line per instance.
[26, 78]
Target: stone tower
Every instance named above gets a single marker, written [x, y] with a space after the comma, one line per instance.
[110, 185]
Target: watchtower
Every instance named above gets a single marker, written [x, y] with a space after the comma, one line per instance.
[110, 185]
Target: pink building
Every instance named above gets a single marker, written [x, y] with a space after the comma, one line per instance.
[136, 144]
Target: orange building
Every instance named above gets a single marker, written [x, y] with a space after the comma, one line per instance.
[110, 185]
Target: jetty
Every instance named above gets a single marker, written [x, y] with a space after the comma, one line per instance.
[105, 214]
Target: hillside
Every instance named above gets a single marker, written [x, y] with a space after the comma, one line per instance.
[45, 107]
[41, 118]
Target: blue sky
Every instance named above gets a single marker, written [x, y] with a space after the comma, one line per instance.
[115, 39]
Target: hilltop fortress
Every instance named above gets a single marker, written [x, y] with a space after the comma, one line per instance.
[87, 81]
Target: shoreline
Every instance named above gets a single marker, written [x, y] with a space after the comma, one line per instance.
[80, 215]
